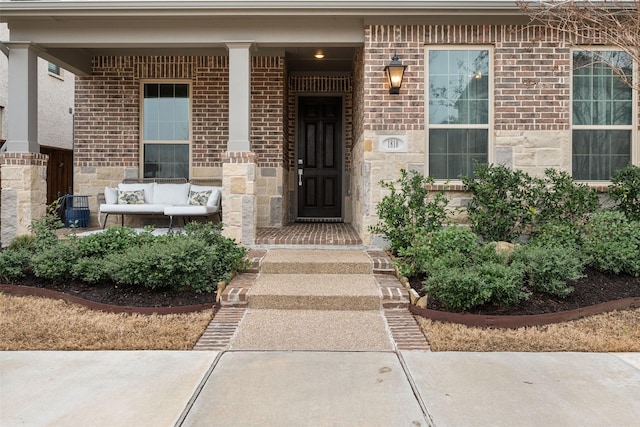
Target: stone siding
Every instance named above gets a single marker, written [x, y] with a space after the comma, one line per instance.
[24, 192]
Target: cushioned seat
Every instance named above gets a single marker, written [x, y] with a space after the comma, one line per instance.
[189, 211]
[169, 199]
[132, 209]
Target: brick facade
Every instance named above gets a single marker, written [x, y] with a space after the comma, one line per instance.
[531, 125]
[107, 139]
[108, 108]
[530, 128]
[531, 74]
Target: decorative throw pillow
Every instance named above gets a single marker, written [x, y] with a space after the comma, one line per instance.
[199, 198]
[135, 197]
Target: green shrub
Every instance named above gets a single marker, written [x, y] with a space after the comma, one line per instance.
[548, 267]
[228, 255]
[178, 263]
[23, 241]
[561, 199]
[44, 229]
[464, 288]
[503, 203]
[409, 210]
[509, 203]
[54, 263]
[91, 270]
[612, 243]
[112, 240]
[566, 234]
[504, 281]
[14, 264]
[625, 191]
[457, 244]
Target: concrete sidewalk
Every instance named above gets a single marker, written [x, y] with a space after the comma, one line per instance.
[282, 388]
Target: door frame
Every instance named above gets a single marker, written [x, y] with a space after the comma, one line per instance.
[294, 170]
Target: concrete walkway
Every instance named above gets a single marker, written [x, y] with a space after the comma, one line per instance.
[317, 339]
[247, 388]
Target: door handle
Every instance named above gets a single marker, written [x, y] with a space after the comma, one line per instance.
[300, 172]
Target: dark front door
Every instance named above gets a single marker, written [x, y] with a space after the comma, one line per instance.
[59, 172]
[319, 158]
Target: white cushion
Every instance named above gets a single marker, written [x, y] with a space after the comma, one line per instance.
[148, 189]
[216, 192]
[191, 210]
[171, 194]
[110, 195]
[132, 209]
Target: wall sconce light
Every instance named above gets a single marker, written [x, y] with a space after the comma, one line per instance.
[395, 72]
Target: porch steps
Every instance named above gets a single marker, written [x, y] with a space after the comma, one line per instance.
[315, 292]
[310, 261]
[321, 300]
[305, 299]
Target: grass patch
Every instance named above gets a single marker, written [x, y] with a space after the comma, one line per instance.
[35, 323]
[617, 331]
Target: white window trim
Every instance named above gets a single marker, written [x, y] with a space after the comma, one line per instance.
[143, 141]
[490, 124]
[635, 151]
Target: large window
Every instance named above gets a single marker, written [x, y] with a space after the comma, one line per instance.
[458, 88]
[602, 113]
[166, 133]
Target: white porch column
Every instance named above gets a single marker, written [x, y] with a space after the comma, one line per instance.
[22, 113]
[22, 168]
[239, 96]
[239, 201]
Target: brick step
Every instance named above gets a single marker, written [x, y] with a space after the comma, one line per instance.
[315, 292]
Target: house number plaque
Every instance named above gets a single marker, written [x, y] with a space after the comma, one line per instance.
[393, 144]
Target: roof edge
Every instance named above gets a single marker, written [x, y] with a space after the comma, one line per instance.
[61, 8]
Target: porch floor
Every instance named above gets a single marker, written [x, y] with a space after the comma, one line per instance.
[332, 234]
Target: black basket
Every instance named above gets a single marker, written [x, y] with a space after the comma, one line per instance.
[76, 211]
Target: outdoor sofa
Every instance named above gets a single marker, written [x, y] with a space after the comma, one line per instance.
[169, 197]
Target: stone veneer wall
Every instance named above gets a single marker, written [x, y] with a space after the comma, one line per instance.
[267, 138]
[531, 122]
[107, 140]
[24, 192]
[360, 184]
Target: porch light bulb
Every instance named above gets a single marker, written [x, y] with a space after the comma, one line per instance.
[319, 55]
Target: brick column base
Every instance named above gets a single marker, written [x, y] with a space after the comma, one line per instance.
[239, 205]
[24, 192]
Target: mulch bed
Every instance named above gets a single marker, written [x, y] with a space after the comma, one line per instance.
[130, 296]
[595, 288]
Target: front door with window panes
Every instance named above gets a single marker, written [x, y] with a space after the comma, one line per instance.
[458, 110]
[602, 113]
[166, 130]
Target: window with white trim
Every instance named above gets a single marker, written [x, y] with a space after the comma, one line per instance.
[458, 110]
[53, 69]
[166, 130]
[602, 113]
